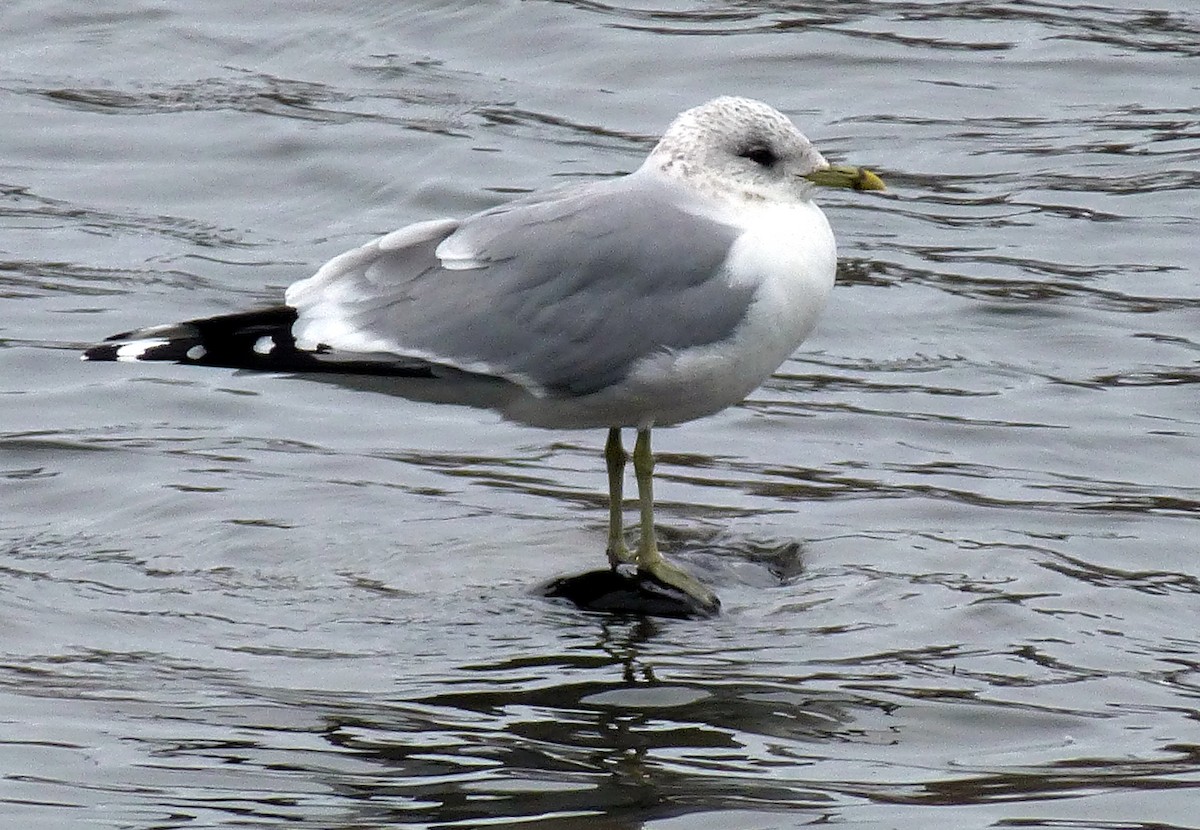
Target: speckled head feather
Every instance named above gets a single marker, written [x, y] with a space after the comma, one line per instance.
[738, 146]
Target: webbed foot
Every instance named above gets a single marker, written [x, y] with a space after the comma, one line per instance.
[675, 577]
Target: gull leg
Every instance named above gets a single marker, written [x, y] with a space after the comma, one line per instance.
[615, 458]
[649, 560]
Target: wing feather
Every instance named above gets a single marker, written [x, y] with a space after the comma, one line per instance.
[563, 292]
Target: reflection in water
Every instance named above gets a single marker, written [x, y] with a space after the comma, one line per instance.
[626, 725]
[632, 746]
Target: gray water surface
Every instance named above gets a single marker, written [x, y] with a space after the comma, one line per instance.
[955, 536]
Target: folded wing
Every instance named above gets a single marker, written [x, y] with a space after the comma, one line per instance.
[563, 292]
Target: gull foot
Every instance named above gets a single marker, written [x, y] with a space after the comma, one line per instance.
[620, 555]
[675, 578]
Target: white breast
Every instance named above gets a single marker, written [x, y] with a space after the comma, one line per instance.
[789, 253]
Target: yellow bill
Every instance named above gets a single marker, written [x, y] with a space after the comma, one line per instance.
[845, 175]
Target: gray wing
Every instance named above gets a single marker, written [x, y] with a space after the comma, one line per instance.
[561, 292]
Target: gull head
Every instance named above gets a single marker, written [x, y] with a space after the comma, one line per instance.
[742, 148]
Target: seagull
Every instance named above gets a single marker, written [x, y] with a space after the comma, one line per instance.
[637, 301]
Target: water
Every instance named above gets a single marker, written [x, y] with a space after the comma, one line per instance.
[955, 537]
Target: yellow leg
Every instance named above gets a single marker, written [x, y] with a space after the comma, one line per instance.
[649, 559]
[615, 458]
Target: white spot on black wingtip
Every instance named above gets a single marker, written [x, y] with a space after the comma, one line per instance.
[264, 345]
[196, 352]
[135, 349]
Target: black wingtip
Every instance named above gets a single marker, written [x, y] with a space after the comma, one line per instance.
[181, 343]
[260, 340]
[101, 351]
[231, 340]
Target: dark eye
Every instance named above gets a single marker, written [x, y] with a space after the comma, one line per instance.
[760, 155]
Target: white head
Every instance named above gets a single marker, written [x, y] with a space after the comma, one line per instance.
[742, 147]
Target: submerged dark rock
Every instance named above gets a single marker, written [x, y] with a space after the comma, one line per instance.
[628, 591]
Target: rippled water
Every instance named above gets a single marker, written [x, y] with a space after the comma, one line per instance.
[956, 536]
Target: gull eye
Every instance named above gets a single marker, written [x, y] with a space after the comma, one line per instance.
[760, 154]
